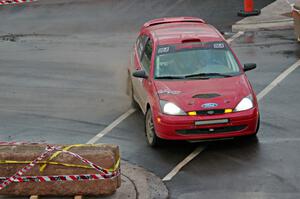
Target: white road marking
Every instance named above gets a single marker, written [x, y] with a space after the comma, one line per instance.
[179, 166]
[111, 126]
[235, 36]
[199, 149]
[277, 80]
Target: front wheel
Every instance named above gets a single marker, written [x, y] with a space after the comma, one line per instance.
[151, 136]
[258, 125]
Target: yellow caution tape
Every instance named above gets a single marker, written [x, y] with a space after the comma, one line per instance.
[45, 163]
[42, 168]
[116, 166]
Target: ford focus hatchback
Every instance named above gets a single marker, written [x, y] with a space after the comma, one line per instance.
[189, 83]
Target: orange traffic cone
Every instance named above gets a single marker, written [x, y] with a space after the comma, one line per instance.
[248, 9]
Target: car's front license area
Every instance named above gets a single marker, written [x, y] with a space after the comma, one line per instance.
[206, 126]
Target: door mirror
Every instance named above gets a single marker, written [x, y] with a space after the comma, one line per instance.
[249, 66]
[140, 74]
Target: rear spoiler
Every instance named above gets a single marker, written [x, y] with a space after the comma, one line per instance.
[172, 20]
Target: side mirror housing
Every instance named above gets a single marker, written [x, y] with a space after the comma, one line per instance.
[140, 74]
[249, 66]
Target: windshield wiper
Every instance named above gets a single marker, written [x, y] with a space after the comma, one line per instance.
[170, 77]
[207, 75]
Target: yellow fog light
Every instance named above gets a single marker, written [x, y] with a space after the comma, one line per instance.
[228, 110]
[192, 113]
[158, 120]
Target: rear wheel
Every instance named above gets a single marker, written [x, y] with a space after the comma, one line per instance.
[151, 136]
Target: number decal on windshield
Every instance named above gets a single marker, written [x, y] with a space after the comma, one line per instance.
[163, 50]
[219, 45]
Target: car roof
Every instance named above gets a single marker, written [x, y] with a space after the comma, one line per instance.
[181, 29]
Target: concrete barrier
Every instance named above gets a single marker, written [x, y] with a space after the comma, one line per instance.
[78, 170]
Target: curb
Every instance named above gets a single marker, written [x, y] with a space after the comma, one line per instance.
[272, 25]
[274, 16]
[138, 183]
[146, 184]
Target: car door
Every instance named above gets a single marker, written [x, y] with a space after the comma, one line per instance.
[142, 62]
[139, 49]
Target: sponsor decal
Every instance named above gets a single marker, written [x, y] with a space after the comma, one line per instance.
[169, 92]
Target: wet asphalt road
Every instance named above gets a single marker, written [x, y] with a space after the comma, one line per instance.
[63, 70]
[63, 79]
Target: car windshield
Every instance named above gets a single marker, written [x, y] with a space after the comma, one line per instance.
[195, 60]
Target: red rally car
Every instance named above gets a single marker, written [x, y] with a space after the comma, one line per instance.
[189, 83]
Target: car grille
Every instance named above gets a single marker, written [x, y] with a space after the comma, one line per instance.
[211, 130]
[211, 112]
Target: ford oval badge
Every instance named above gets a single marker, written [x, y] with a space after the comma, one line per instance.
[209, 105]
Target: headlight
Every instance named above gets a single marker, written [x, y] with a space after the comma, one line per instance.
[245, 104]
[170, 108]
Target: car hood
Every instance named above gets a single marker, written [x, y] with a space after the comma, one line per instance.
[190, 95]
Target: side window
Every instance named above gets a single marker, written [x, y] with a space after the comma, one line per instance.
[140, 43]
[146, 57]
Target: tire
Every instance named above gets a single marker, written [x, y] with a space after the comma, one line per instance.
[151, 136]
[258, 125]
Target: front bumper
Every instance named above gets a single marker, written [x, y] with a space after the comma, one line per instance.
[184, 127]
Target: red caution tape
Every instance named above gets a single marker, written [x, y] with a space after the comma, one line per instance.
[56, 178]
[8, 2]
[17, 175]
